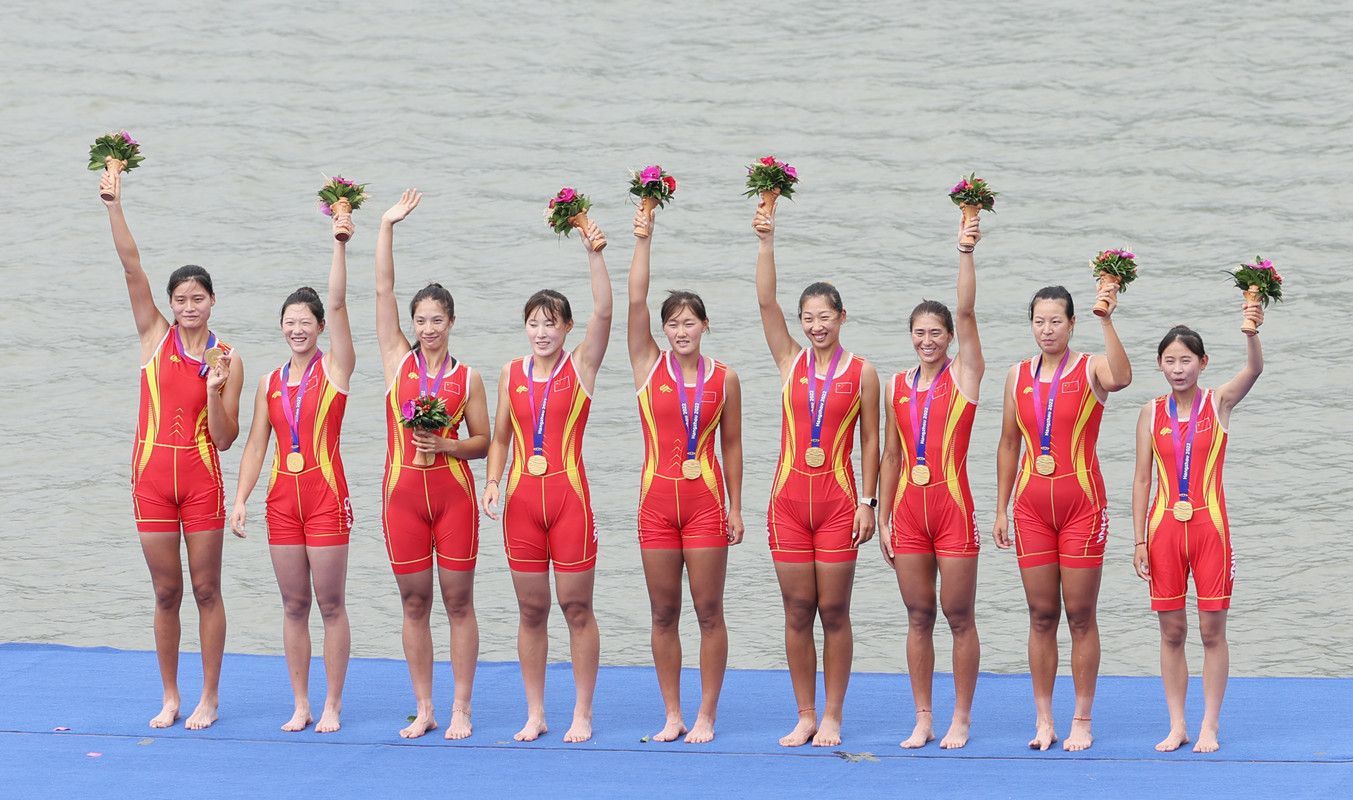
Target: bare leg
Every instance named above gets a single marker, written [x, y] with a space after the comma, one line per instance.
[916, 579]
[166, 577]
[415, 594]
[958, 597]
[533, 643]
[1080, 597]
[706, 568]
[662, 572]
[329, 572]
[204, 569]
[1042, 592]
[574, 591]
[293, 580]
[458, 596]
[798, 591]
[1216, 667]
[834, 584]
[1174, 674]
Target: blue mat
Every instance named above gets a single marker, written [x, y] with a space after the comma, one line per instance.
[1281, 736]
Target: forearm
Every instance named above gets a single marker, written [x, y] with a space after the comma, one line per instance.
[497, 460]
[222, 426]
[732, 476]
[127, 252]
[1141, 495]
[251, 467]
[890, 477]
[765, 277]
[1007, 458]
[469, 448]
[1120, 368]
[338, 278]
[385, 260]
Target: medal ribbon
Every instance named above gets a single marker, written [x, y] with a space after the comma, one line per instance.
[538, 436]
[1183, 457]
[291, 404]
[818, 406]
[1045, 438]
[203, 367]
[919, 427]
[690, 408]
[436, 387]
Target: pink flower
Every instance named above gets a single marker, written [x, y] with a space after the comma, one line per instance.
[127, 137]
[651, 174]
[769, 161]
[408, 410]
[791, 172]
[961, 186]
[566, 195]
[325, 209]
[1265, 264]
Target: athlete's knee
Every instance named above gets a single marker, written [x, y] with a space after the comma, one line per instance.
[297, 605]
[1214, 634]
[1173, 632]
[1081, 619]
[1043, 619]
[835, 616]
[577, 613]
[800, 612]
[921, 618]
[331, 607]
[168, 596]
[417, 605]
[533, 614]
[710, 616]
[960, 618]
[207, 593]
[459, 605]
[665, 615]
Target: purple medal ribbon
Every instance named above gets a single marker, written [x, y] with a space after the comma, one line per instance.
[436, 387]
[291, 403]
[538, 438]
[690, 408]
[1183, 457]
[817, 407]
[1045, 439]
[920, 426]
[203, 367]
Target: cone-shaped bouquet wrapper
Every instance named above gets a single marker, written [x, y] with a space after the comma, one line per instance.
[580, 221]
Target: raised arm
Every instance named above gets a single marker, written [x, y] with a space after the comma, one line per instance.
[866, 520]
[342, 356]
[730, 443]
[592, 349]
[782, 346]
[890, 472]
[1141, 492]
[1113, 372]
[1233, 391]
[251, 463]
[644, 348]
[498, 446]
[1007, 460]
[971, 364]
[389, 335]
[151, 325]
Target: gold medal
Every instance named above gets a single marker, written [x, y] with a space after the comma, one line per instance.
[690, 469]
[1044, 464]
[213, 356]
[295, 462]
[815, 456]
[1183, 511]
[536, 464]
[920, 474]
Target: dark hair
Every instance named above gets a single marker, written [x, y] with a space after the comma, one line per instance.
[933, 307]
[822, 289]
[554, 303]
[1054, 293]
[678, 300]
[435, 292]
[190, 272]
[1184, 335]
[305, 296]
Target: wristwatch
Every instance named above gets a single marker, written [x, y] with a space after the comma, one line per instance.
[869, 501]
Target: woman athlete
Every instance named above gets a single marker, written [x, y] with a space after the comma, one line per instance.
[309, 513]
[689, 510]
[543, 401]
[1181, 441]
[428, 509]
[1053, 405]
[190, 409]
[816, 518]
[924, 488]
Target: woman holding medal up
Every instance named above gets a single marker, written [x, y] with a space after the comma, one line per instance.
[690, 510]
[543, 402]
[429, 511]
[190, 408]
[309, 513]
[816, 519]
[1181, 440]
[1053, 405]
[925, 491]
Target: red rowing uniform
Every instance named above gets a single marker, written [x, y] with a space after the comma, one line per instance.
[1202, 544]
[1061, 518]
[433, 508]
[936, 517]
[548, 518]
[812, 509]
[676, 512]
[176, 471]
[310, 507]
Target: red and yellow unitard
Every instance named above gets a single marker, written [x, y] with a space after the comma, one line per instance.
[310, 507]
[428, 509]
[548, 518]
[936, 517]
[675, 512]
[1202, 545]
[812, 509]
[176, 471]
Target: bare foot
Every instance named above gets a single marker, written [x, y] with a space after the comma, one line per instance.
[460, 727]
[922, 734]
[202, 717]
[702, 732]
[328, 721]
[828, 733]
[956, 737]
[1079, 738]
[1207, 741]
[422, 723]
[300, 718]
[802, 732]
[580, 730]
[169, 714]
[1177, 738]
[1044, 735]
[675, 727]
[533, 729]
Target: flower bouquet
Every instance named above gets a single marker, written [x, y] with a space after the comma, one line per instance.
[568, 210]
[654, 188]
[972, 195]
[425, 413]
[1261, 283]
[115, 152]
[770, 179]
[1115, 266]
[341, 196]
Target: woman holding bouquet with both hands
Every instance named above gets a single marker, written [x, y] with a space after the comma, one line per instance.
[309, 513]
[543, 403]
[190, 407]
[690, 511]
[429, 511]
